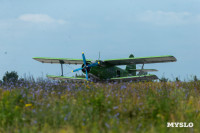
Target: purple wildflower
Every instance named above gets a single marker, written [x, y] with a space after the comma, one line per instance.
[116, 107]
[107, 125]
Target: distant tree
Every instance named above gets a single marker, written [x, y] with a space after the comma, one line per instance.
[195, 78]
[163, 79]
[10, 77]
[177, 79]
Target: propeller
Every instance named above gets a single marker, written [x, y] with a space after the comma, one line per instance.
[86, 66]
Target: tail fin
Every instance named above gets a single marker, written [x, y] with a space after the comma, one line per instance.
[129, 67]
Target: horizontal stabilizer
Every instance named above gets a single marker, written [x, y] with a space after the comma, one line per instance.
[136, 78]
[65, 78]
[144, 70]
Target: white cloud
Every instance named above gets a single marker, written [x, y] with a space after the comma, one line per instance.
[40, 18]
[165, 18]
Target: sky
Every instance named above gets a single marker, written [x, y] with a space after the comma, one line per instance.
[115, 28]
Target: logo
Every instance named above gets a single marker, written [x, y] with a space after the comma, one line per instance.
[179, 124]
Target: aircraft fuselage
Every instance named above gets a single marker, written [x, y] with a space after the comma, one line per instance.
[107, 72]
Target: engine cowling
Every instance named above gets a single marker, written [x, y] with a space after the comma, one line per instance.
[84, 69]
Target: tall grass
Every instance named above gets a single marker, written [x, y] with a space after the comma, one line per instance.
[96, 107]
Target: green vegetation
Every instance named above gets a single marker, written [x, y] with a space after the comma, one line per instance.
[163, 79]
[95, 107]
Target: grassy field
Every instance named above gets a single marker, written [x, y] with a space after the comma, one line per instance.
[94, 107]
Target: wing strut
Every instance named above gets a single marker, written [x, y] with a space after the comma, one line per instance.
[61, 63]
[143, 66]
[141, 72]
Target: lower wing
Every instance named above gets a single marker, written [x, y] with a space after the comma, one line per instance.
[129, 78]
[65, 78]
[136, 78]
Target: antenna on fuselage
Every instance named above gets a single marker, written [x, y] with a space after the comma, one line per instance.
[99, 55]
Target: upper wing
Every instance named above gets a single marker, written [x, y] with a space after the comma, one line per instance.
[59, 60]
[136, 78]
[141, 60]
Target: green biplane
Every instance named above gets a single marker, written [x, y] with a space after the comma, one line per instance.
[107, 70]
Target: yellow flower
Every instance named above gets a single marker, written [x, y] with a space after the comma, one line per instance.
[17, 108]
[6, 93]
[28, 105]
[62, 97]
[88, 86]
[191, 100]
[160, 116]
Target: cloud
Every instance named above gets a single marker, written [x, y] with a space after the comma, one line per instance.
[165, 18]
[40, 18]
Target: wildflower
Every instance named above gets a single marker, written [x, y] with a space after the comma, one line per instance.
[107, 95]
[116, 115]
[33, 95]
[116, 107]
[123, 86]
[17, 107]
[38, 92]
[65, 118]
[120, 100]
[48, 105]
[87, 86]
[107, 125]
[24, 95]
[140, 103]
[28, 105]
[139, 126]
[191, 100]
[160, 116]
[186, 95]
[6, 93]
[68, 88]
